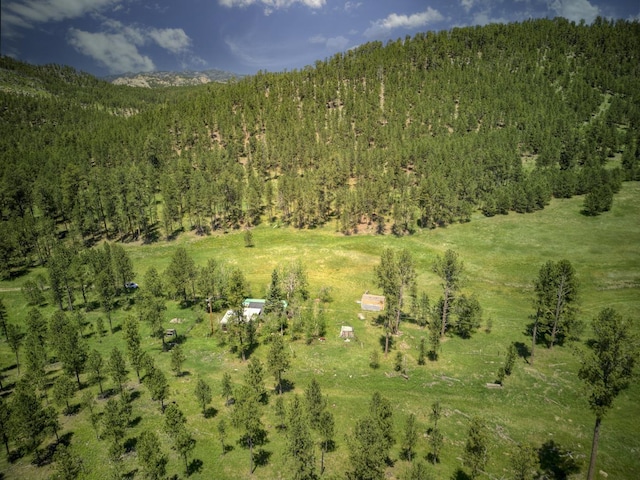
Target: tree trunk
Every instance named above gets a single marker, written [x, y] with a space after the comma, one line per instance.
[386, 343]
[556, 317]
[533, 340]
[445, 308]
[78, 379]
[594, 449]
[322, 459]
[250, 456]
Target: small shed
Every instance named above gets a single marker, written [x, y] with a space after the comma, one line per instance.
[372, 303]
[346, 332]
[171, 333]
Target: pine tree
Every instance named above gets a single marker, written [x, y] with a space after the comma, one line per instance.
[475, 450]
[134, 348]
[203, 394]
[152, 460]
[117, 368]
[299, 443]
[177, 359]
[608, 368]
[410, 437]
[278, 360]
[450, 269]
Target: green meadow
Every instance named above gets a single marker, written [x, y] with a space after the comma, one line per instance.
[543, 404]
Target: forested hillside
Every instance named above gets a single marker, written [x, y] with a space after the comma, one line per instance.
[417, 133]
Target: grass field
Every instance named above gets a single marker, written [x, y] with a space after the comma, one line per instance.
[542, 404]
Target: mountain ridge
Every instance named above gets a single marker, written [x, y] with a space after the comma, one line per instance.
[172, 79]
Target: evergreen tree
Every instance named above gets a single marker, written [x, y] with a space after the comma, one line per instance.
[299, 443]
[14, 339]
[381, 412]
[607, 368]
[222, 434]
[435, 437]
[326, 429]
[227, 387]
[246, 418]
[410, 437]
[68, 464]
[134, 348]
[96, 367]
[278, 360]
[117, 368]
[4, 318]
[556, 291]
[203, 394]
[449, 268]
[181, 274]
[152, 460]
[367, 451]
[63, 390]
[156, 382]
[177, 359]
[524, 462]
[475, 450]
[254, 379]
[28, 420]
[315, 403]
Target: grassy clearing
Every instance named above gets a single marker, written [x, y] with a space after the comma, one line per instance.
[543, 404]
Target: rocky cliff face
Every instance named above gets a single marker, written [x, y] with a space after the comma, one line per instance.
[172, 79]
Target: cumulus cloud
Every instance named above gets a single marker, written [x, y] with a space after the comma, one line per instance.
[271, 5]
[172, 39]
[117, 47]
[113, 50]
[393, 21]
[31, 12]
[575, 10]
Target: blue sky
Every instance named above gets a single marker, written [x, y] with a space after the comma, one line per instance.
[243, 36]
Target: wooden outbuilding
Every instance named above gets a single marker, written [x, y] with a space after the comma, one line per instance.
[346, 332]
[372, 303]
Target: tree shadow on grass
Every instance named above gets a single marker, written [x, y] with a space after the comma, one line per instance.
[383, 340]
[460, 474]
[195, 466]
[556, 462]
[523, 351]
[130, 444]
[261, 457]
[210, 412]
[287, 386]
[45, 457]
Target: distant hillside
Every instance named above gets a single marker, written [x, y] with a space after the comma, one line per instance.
[419, 133]
[171, 79]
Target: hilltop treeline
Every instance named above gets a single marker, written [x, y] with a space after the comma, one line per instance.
[417, 133]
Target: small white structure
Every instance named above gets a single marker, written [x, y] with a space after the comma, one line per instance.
[346, 332]
[248, 315]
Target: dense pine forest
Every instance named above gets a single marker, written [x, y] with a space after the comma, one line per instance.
[417, 133]
[500, 342]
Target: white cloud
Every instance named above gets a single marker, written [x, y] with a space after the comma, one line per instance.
[117, 47]
[467, 4]
[113, 50]
[271, 5]
[172, 39]
[393, 21]
[575, 10]
[350, 6]
[33, 11]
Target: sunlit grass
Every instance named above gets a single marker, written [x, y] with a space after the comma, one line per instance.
[502, 255]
